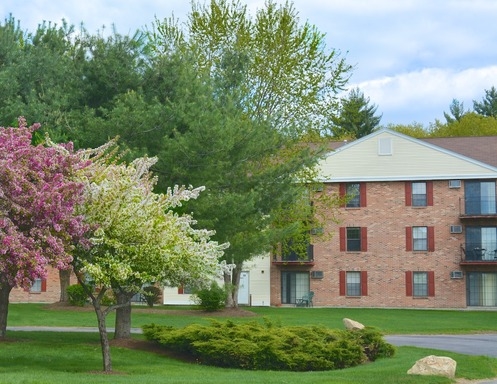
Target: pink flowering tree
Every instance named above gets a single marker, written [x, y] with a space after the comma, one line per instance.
[38, 223]
[138, 238]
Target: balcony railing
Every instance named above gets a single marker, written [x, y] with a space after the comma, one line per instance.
[477, 207]
[480, 252]
[293, 259]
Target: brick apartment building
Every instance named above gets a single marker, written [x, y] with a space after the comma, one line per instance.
[419, 230]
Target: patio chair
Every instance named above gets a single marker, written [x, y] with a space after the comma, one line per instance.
[305, 301]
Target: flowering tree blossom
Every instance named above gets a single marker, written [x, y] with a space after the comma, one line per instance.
[138, 238]
[38, 224]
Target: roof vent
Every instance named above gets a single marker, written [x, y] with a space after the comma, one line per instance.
[385, 146]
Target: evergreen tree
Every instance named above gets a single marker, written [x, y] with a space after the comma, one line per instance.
[488, 105]
[457, 111]
[356, 117]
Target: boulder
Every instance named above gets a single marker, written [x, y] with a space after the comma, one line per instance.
[352, 324]
[434, 365]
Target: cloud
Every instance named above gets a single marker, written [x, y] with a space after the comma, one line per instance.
[425, 94]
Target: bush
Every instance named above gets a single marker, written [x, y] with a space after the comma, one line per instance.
[269, 347]
[77, 295]
[211, 299]
[152, 295]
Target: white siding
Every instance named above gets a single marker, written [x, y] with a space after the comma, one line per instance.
[410, 159]
[259, 285]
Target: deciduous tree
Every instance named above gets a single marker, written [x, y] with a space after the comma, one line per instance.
[137, 237]
[38, 222]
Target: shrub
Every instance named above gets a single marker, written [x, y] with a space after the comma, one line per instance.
[269, 347]
[211, 299]
[152, 295]
[77, 295]
[372, 343]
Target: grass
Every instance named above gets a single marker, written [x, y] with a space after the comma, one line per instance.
[47, 357]
[390, 321]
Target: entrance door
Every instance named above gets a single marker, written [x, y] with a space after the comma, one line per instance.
[244, 289]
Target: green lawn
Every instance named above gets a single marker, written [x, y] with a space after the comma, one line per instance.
[48, 357]
[390, 321]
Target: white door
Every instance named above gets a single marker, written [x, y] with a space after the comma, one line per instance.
[243, 289]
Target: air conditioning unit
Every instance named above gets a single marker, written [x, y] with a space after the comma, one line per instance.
[456, 275]
[317, 274]
[317, 231]
[454, 183]
[456, 229]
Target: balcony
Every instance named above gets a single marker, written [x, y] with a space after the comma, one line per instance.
[477, 208]
[479, 254]
[292, 259]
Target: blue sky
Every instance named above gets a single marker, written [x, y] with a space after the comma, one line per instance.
[411, 57]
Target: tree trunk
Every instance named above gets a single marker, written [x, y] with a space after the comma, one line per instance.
[123, 315]
[104, 338]
[234, 281]
[229, 298]
[65, 281]
[4, 308]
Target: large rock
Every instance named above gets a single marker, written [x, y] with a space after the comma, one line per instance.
[434, 365]
[352, 324]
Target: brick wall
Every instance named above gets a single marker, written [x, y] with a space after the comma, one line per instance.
[386, 260]
[51, 294]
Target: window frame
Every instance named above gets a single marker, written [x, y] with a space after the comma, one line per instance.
[410, 240]
[420, 238]
[353, 190]
[410, 195]
[362, 201]
[39, 285]
[344, 286]
[410, 283]
[345, 238]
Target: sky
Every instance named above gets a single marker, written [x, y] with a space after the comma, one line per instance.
[411, 58]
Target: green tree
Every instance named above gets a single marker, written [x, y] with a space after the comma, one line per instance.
[37, 75]
[488, 105]
[471, 124]
[290, 77]
[356, 117]
[414, 130]
[457, 111]
[248, 94]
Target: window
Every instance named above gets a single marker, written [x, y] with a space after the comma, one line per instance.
[481, 243]
[480, 197]
[353, 239]
[353, 283]
[185, 290]
[420, 239]
[355, 193]
[294, 285]
[38, 286]
[419, 193]
[352, 191]
[420, 284]
[482, 289]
